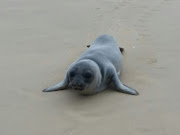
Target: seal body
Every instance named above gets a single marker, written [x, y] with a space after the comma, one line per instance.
[96, 69]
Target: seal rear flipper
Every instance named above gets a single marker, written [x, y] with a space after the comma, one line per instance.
[123, 88]
[60, 86]
[120, 48]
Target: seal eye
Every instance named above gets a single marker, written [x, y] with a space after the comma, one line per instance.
[87, 75]
[72, 74]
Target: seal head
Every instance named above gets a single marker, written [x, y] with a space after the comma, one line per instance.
[84, 76]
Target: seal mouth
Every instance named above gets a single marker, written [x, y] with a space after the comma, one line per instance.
[78, 88]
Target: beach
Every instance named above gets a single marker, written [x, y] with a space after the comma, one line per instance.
[40, 39]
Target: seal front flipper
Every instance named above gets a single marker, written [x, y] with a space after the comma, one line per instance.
[121, 87]
[129, 90]
[60, 86]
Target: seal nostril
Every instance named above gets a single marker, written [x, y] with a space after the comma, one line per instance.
[76, 84]
[79, 84]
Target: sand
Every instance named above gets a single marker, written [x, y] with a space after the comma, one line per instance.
[39, 39]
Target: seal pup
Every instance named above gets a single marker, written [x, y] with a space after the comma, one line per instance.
[96, 69]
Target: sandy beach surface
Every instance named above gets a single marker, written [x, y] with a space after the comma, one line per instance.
[39, 39]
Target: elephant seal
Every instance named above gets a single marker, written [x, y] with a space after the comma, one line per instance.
[95, 69]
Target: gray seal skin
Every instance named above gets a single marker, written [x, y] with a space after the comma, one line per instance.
[95, 69]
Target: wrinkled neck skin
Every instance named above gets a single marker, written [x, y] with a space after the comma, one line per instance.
[95, 84]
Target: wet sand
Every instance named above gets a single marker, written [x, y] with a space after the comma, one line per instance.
[40, 39]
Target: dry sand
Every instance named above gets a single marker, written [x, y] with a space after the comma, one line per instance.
[39, 39]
